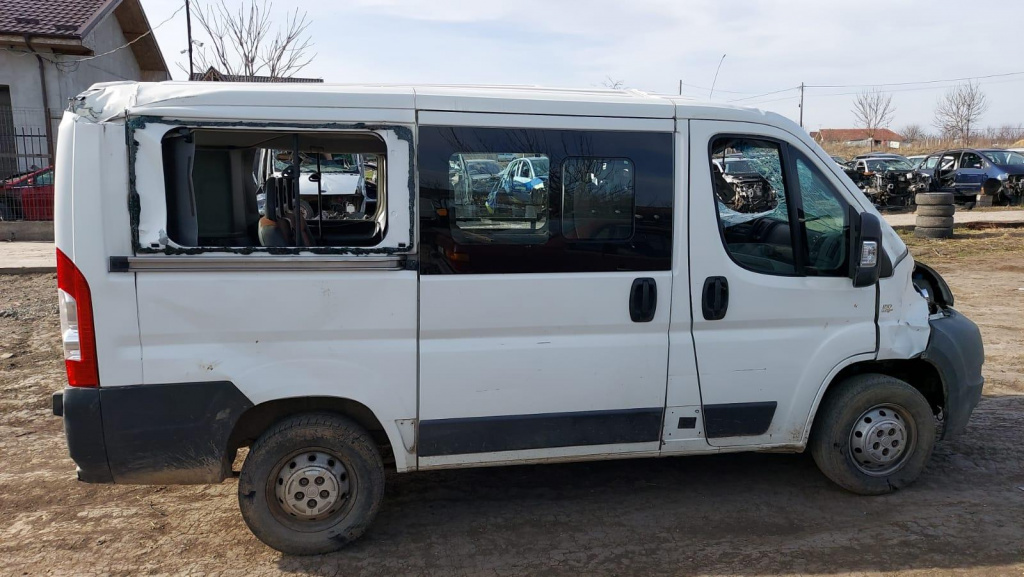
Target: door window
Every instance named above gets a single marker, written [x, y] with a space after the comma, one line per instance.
[758, 210]
[931, 162]
[753, 212]
[597, 198]
[825, 221]
[970, 160]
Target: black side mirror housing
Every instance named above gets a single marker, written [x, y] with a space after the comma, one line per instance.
[865, 249]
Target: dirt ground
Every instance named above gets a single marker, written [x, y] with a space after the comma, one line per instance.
[749, 514]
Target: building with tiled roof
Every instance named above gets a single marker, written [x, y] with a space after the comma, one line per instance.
[858, 137]
[51, 50]
[214, 75]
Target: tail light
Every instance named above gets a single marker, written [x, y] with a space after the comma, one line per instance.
[77, 331]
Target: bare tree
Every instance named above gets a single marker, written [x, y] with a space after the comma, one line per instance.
[241, 41]
[609, 82]
[913, 133]
[872, 110]
[959, 109]
[1009, 133]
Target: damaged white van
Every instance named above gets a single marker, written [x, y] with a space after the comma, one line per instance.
[510, 275]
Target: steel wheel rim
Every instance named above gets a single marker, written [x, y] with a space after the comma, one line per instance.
[882, 439]
[310, 489]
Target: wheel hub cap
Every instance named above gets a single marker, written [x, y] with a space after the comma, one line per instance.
[879, 440]
[312, 485]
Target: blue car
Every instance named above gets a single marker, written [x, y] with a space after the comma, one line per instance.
[523, 182]
[968, 172]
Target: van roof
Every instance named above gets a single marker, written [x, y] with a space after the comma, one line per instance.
[112, 100]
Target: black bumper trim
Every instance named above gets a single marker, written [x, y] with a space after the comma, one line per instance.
[153, 434]
[956, 350]
[83, 427]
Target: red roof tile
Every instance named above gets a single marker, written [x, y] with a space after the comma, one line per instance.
[69, 18]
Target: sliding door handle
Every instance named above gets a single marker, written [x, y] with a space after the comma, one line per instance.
[643, 300]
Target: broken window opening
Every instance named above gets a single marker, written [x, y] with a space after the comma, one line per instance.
[274, 189]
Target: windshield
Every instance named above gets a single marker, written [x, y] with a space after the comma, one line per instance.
[483, 167]
[1005, 157]
[541, 167]
[739, 166]
[329, 163]
[883, 164]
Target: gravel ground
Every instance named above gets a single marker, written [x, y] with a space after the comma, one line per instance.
[751, 514]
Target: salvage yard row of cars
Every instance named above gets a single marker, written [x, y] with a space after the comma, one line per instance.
[891, 180]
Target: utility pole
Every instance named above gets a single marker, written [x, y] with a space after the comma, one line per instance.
[801, 105]
[188, 25]
[680, 87]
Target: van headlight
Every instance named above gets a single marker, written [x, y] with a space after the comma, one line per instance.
[1003, 176]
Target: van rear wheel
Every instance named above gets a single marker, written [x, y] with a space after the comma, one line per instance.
[873, 435]
[311, 484]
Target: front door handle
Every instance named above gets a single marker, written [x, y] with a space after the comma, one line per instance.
[643, 300]
[715, 300]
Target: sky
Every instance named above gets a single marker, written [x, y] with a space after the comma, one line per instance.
[770, 48]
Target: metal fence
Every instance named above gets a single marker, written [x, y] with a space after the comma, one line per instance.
[26, 164]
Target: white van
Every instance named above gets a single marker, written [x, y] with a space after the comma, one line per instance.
[602, 293]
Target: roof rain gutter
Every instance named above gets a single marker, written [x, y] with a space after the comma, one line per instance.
[46, 100]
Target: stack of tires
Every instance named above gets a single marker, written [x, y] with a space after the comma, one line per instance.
[934, 215]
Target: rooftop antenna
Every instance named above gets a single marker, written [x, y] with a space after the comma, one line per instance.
[716, 77]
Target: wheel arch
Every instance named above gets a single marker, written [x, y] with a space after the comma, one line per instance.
[917, 372]
[252, 423]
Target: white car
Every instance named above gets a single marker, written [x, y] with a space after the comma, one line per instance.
[622, 314]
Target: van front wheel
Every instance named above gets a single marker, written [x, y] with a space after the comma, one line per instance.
[311, 484]
[873, 435]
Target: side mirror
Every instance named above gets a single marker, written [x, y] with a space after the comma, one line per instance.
[865, 250]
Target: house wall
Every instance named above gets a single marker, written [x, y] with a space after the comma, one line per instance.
[20, 71]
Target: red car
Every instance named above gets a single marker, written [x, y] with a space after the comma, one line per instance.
[28, 196]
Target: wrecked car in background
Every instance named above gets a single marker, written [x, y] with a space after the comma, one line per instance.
[745, 189]
[968, 172]
[332, 186]
[473, 176]
[889, 181]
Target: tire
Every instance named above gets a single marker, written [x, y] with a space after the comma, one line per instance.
[934, 221]
[322, 447]
[925, 232]
[5, 212]
[991, 187]
[933, 198]
[307, 210]
[868, 405]
[936, 210]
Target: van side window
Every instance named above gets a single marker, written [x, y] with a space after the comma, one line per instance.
[753, 211]
[274, 189]
[825, 222]
[536, 200]
[500, 201]
[597, 198]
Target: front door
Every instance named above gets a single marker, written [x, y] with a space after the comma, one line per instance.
[544, 309]
[970, 174]
[774, 310]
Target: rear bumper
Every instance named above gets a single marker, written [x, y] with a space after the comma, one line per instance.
[83, 427]
[955, 349]
[151, 434]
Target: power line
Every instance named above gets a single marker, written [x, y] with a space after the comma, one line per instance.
[915, 82]
[766, 94]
